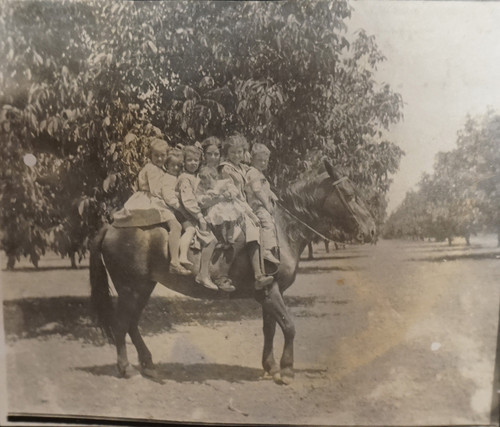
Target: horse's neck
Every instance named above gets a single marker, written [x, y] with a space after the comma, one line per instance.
[294, 227]
[293, 237]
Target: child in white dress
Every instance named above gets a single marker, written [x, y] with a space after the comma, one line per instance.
[219, 200]
[156, 201]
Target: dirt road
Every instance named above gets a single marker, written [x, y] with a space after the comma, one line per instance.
[400, 333]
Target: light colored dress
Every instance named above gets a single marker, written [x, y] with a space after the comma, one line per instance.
[226, 210]
[236, 173]
[186, 189]
[154, 203]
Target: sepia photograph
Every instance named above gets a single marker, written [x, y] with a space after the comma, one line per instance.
[249, 212]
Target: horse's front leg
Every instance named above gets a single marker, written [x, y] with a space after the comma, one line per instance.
[274, 305]
[269, 329]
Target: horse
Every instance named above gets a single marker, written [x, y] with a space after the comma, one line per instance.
[135, 260]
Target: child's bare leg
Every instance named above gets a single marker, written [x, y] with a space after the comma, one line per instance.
[185, 241]
[229, 232]
[174, 236]
[203, 276]
[223, 232]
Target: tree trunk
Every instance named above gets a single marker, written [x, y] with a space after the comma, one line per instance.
[327, 246]
[11, 262]
[467, 239]
[73, 261]
[450, 239]
[310, 249]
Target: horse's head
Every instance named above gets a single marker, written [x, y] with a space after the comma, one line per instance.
[342, 204]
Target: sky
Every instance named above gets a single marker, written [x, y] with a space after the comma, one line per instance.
[443, 57]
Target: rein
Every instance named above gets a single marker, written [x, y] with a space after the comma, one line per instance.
[304, 224]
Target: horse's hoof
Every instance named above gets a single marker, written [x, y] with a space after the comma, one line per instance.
[151, 373]
[286, 379]
[277, 377]
[128, 371]
[265, 376]
[287, 376]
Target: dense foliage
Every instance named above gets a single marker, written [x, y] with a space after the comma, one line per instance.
[86, 84]
[462, 196]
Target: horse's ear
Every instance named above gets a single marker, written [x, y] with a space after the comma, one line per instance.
[330, 169]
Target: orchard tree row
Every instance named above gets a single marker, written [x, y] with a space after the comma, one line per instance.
[462, 196]
[84, 85]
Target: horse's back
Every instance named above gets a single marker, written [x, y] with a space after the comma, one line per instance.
[135, 252]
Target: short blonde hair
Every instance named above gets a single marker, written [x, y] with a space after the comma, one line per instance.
[191, 149]
[234, 141]
[158, 144]
[175, 154]
[259, 148]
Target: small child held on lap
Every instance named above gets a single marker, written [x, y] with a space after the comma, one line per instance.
[187, 187]
[223, 209]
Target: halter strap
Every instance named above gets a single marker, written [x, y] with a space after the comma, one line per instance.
[344, 178]
[344, 201]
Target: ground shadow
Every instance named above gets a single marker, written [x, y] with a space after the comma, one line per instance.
[331, 258]
[197, 372]
[72, 317]
[322, 269]
[472, 256]
[33, 269]
[446, 248]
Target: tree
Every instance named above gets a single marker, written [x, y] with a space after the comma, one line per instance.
[479, 141]
[89, 83]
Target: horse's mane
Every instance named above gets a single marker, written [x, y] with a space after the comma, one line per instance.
[301, 197]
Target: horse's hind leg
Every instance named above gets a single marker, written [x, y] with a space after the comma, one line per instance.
[120, 328]
[274, 306]
[145, 357]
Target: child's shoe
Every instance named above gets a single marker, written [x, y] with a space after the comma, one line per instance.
[179, 269]
[268, 255]
[262, 281]
[185, 262]
[225, 285]
[206, 282]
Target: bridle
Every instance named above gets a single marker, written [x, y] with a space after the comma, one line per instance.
[344, 201]
[312, 229]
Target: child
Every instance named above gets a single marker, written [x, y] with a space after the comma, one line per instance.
[156, 201]
[187, 185]
[169, 194]
[211, 151]
[262, 199]
[223, 210]
[234, 169]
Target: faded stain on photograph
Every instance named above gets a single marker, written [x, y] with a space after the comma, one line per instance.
[250, 212]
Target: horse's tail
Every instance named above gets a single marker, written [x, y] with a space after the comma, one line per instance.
[100, 296]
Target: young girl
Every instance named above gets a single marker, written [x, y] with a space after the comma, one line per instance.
[187, 186]
[211, 150]
[156, 201]
[233, 168]
[223, 210]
